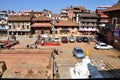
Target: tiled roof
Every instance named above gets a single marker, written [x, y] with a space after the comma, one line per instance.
[37, 12]
[114, 7]
[88, 15]
[79, 7]
[18, 18]
[47, 12]
[41, 18]
[76, 10]
[41, 25]
[68, 8]
[56, 15]
[65, 23]
[82, 8]
[75, 7]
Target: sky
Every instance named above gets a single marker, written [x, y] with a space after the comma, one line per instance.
[54, 5]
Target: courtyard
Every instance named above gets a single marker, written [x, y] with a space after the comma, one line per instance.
[20, 57]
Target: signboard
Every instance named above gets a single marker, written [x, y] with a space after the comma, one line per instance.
[117, 30]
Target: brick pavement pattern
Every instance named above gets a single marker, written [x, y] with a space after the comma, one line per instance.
[65, 60]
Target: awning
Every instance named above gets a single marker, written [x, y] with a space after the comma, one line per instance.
[41, 25]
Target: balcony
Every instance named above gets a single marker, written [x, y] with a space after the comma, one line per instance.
[19, 29]
[87, 25]
[104, 21]
[88, 20]
[88, 29]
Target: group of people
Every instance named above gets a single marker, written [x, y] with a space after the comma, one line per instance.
[42, 41]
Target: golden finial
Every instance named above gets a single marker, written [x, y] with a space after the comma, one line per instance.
[87, 53]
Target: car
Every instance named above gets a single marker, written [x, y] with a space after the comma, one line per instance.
[56, 39]
[102, 45]
[71, 39]
[78, 52]
[85, 39]
[64, 39]
[78, 39]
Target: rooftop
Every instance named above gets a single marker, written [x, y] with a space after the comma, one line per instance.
[41, 18]
[88, 15]
[114, 7]
[65, 23]
[41, 25]
[18, 18]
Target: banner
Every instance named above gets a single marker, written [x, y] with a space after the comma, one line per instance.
[117, 30]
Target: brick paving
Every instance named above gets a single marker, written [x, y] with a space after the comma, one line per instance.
[21, 57]
[104, 55]
[65, 60]
[21, 60]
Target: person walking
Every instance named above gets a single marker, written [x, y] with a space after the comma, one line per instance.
[36, 46]
[42, 42]
[56, 51]
[88, 41]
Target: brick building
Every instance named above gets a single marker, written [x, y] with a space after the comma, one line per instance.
[41, 25]
[88, 23]
[19, 24]
[66, 27]
[112, 31]
[103, 18]
[3, 22]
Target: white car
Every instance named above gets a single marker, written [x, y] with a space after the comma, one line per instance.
[72, 39]
[56, 39]
[103, 46]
